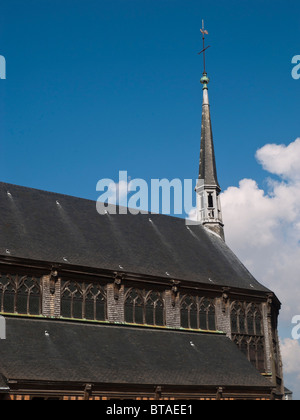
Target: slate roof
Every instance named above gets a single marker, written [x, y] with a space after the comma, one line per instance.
[207, 166]
[44, 226]
[58, 351]
[3, 385]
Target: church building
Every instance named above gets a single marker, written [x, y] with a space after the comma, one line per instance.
[144, 307]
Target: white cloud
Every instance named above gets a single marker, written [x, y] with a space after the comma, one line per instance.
[263, 227]
[290, 350]
[281, 160]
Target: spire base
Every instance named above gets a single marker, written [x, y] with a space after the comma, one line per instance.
[217, 229]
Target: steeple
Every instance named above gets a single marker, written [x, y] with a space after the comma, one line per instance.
[207, 166]
[208, 190]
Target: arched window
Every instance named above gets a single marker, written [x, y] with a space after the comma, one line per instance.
[154, 309]
[234, 320]
[242, 344]
[261, 361]
[207, 314]
[144, 307]
[71, 300]
[257, 353]
[8, 290]
[254, 320]
[95, 307]
[244, 347]
[197, 313]
[20, 295]
[251, 320]
[252, 351]
[238, 318]
[189, 313]
[247, 331]
[83, 301]
[258, 323]
[29, 296]
[134, 307]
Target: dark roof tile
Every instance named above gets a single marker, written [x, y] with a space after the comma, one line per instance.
[35, 227]
[47, 350]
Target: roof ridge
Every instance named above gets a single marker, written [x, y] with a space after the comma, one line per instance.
[93, 201]
[45, 191]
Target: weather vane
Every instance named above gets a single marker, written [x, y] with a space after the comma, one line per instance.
[204, 32]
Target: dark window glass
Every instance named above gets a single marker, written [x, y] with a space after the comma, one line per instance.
[83, 301]
[77, 307]
[90, 309]
[129, 314]
[244, 348]
[203, 319]
[250, 323]
[250, 331]
[258, 325]
[66, 304]
[150, 314]
[242, 323]
[139, 314]
[194, 318]
[35, 305]
[20, 294]
[211, 320]
[198, 313]
[184, 319]
[234, 322]
[144, 307]
[159, 315]
[261, 358]
[22, 298]
[9, 302]
[101, 309]
[253, 354]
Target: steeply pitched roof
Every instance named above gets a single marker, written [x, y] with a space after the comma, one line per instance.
[43, 226]
[207, 167]
[47, 350]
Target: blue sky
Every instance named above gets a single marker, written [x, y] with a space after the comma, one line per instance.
[94, 87]
[98, 86]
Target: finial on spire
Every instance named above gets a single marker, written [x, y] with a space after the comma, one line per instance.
[204, 80]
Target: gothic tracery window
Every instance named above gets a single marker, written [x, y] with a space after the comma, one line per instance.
[83, 301]
[197, 313]
[189, 313]
[238, 318]
[20, 295]
[247, 332]
[144, 307]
